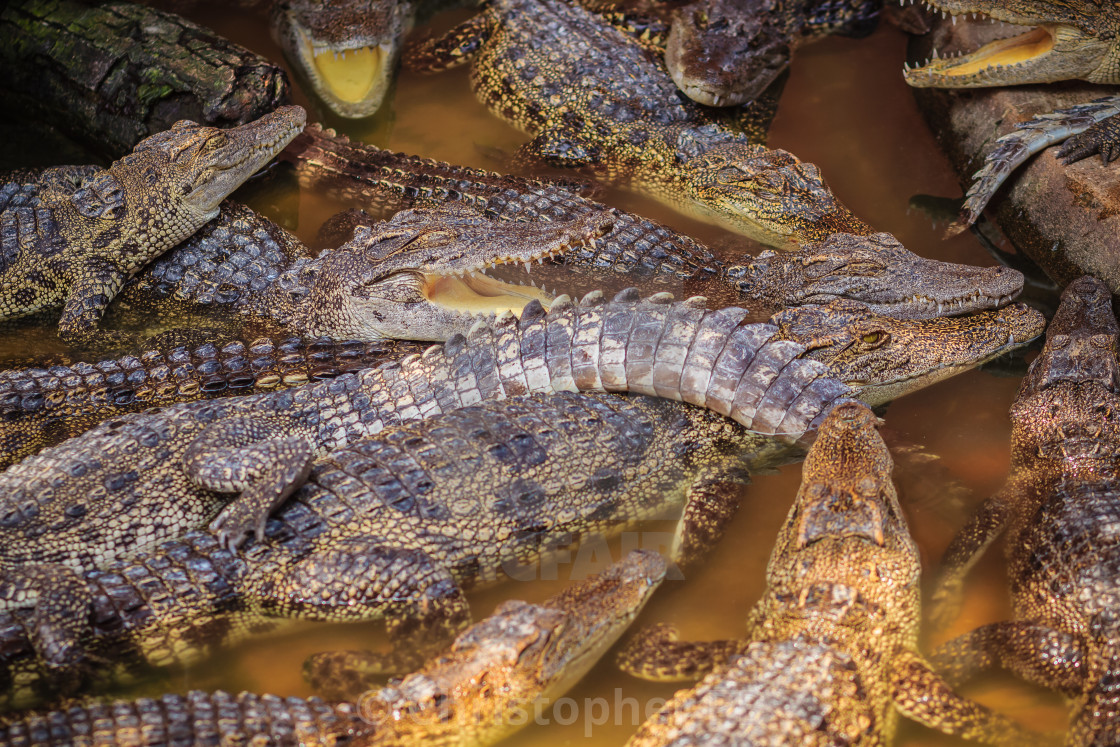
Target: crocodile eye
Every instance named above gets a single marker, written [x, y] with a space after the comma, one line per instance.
[875, 338]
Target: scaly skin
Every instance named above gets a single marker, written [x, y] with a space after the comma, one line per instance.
[831, 656]
[727, 52]
[875, 270]
[1068, 40]
[151, 476]
[77, 247]
[524, 652]
[348, 51]
[591, 97]
[41, 407]
[398, 526]
[1059, 511]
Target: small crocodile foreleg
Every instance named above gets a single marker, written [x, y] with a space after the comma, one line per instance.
[656, 653]
[1036, 653]
[921, 694]
[262, 459]
[963, 552]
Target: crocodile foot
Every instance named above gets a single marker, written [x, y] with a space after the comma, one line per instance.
[59, 601]
[1103, 137]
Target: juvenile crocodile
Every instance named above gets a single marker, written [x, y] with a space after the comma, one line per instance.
[591, 96]
[75, 507]
[40, 407]
[728, 52]
[1059, 511]
[1070, 40]
[347, 51]
[876, 270]
[525, 653]
[831, 655]
[77, 247]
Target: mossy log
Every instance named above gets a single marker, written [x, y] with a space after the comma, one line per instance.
[111, 74]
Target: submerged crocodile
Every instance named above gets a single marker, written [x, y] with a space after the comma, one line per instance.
[831, 656]
[593, 97]
[132, 482]
[525, 653]
[76, 237]
[1059, 511]
[728, 52]
[1071, 40]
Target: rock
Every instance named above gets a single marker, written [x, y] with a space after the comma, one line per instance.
[1065, 218]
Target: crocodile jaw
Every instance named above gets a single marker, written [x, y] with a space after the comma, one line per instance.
[1045, 53]
[352, 81]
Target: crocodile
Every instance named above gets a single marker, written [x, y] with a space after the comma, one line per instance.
[43, 406]
[527, 654]
[831, 655]
[776, 379]
[592, 96]
[876, 270]
[347, 51]
[1069, 40]
[77, 246]
[1058, 510]
[728, 52]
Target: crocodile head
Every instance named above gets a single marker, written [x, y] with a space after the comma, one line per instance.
[1067, 40]
[421, 275]
[346, 50]
[719, 55]
[845, 544]
[766, 194]
[879, 272]
[196, 167]
[520, 655]
[882, 358]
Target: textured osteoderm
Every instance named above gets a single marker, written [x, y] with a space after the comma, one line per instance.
[727, 52]
[523, 652]
[1059, 510]
[77, 246]
[831, 654]
[876, 270]
[552, 69]
[1067, 40]
[348, 51]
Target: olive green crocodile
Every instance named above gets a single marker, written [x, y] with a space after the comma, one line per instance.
[1059, 511]
[147, 477]
[76, 245]
[525, 653]
[831, 654]
[591, 96]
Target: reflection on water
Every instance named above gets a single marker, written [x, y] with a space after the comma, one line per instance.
[846, 109]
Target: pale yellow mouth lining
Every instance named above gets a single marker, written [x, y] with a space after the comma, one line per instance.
[351, 74]
[478, 294]
[1001, 53]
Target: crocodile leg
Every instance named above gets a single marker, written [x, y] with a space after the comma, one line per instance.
[1033, 652]
[450, 50]
[1103, 137]
[422, 603]
[963, 553]
[60, 599]
[258, 458]
[656, 653]
[711, 503]
[920, 694]
[92, 288]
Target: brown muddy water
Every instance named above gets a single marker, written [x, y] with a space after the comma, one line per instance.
[845, 109]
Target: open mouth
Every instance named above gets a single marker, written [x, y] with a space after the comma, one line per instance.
[478, 294]
[350, 74]
[1029, 57]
